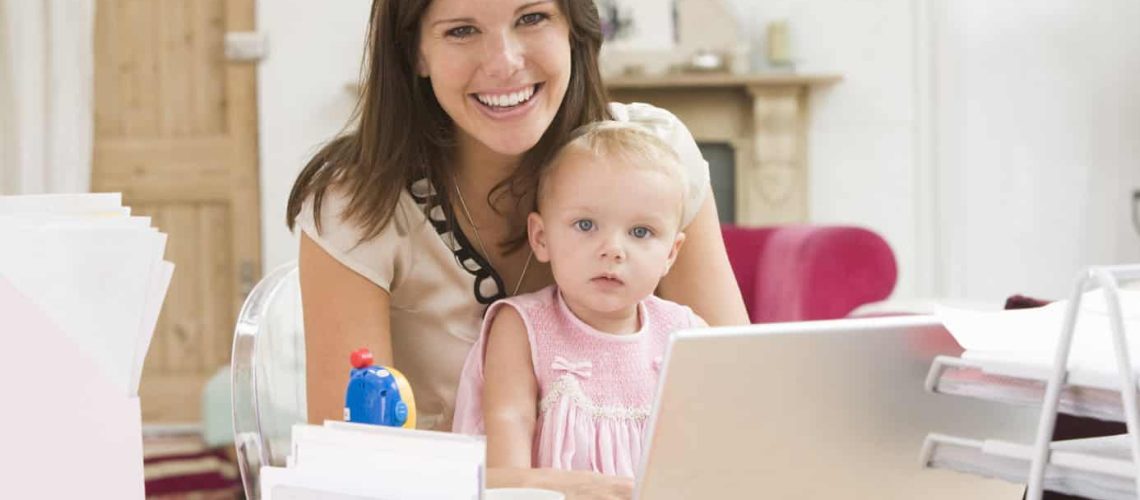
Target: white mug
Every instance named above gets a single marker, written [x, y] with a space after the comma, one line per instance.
[521, 494]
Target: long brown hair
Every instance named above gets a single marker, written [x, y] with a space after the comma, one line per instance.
[401, 133]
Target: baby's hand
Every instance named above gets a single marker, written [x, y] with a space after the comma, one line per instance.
[601, 487]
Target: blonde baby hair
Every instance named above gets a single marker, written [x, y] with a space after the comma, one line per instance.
[623, 145]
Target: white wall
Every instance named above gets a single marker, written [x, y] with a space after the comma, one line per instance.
[315, 50]
[1038, 119]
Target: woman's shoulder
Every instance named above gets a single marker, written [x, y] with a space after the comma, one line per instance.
[379, 256]
[333, 217]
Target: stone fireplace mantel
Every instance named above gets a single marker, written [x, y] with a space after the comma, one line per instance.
[762, 116]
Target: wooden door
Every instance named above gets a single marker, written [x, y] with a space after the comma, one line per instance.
[176, 133]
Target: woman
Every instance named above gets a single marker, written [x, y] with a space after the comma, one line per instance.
[415, 221]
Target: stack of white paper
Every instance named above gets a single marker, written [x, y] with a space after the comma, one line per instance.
[81, 286]
[355, 461]
[1029, 336]
[1093, 468]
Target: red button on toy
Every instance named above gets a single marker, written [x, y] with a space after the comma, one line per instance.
[361, 358]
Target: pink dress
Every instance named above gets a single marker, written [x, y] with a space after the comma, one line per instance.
[595, 389]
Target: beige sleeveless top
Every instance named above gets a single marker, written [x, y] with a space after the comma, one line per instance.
[438, 284]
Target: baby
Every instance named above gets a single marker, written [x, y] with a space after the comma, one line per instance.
[565, 377]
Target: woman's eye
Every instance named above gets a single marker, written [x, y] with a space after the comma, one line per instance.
[460, 32]
[584, 225]
[640, 232]
[533, 18]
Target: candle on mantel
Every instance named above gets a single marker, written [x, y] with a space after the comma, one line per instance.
[779, 53]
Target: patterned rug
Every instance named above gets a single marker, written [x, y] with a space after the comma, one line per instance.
[179, 465]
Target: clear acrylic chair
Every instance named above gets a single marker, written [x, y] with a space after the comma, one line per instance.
[268, 374]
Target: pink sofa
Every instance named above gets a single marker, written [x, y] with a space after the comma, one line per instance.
[795, 273]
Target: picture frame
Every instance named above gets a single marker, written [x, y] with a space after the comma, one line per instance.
[636, 25]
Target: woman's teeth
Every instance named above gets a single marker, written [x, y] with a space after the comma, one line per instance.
[507, 100]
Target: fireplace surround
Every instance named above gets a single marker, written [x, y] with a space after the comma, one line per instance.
[763, 117]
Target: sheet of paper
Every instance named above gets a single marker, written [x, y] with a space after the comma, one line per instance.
[44, 222]
[94, 282]
[1030, 335]
[46, 219]
[64, 204]
[160, 283]
[280, 483]
[412, 463]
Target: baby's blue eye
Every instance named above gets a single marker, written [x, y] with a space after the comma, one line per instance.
[584, 225]
[640, 232]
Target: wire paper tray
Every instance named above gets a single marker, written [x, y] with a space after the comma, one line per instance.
[1097, 468]
[1086, 394]
[1093, 468]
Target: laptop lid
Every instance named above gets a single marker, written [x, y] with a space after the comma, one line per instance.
[823, 409]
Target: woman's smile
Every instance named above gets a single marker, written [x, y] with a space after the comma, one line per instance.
[510, 103]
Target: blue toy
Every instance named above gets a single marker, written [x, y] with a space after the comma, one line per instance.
[378, 395]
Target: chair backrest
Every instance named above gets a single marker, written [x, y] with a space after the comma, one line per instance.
[744, 245]
[821, 272]
[268, 374]
[808, 272]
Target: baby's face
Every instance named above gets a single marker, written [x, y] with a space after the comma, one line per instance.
[609, 233]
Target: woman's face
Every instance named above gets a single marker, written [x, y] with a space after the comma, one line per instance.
[499, 68]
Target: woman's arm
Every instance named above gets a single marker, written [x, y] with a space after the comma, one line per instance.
[510, 392]
[702, 277]
[343, 312]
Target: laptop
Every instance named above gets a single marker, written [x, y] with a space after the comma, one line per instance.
[821, 409]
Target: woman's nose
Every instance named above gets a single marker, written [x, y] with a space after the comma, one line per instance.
[503, 56]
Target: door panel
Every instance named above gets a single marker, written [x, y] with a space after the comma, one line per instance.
[176, 133]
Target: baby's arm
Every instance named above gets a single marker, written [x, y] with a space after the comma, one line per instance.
[510, 392]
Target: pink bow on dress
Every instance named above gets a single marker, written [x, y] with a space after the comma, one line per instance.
[580, 369]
